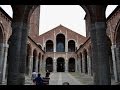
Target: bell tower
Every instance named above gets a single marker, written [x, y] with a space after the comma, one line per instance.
[34, 23]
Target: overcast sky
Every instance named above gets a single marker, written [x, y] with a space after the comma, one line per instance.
[70, 16]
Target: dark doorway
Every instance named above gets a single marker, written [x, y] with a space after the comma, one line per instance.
[49, 64]
[71, 65]
[60, 65]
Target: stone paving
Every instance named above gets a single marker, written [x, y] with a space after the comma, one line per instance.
[58, 78]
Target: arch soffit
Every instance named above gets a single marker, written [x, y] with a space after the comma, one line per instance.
[60, 33]
[48, 57]
[30, 47]
[61, 57]
[48, 40]
[116, 31]
[3, 33]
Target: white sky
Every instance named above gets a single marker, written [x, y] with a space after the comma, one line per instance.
[70, 16]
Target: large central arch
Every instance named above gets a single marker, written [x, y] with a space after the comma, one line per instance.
[60, 43]
[60, 64]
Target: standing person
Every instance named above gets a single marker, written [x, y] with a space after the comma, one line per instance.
[47, 73]
[38, 80]
[34, 75]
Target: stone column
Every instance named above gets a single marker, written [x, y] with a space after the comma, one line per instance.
[41, 65]
[1, 61]
[5, 61]
[113, 49]
[18, 45]
[83, 63]
[44, 62]
[89, 65]
[117, 64]
[17, 54]
[54, 42]
[94, 51]
[30, 65]
[76, 65]
[80, 64]
[66, 42]
[66, 65]
[36, 58]
[103, 68]
[54, 65]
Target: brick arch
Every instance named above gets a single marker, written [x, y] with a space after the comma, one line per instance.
[70, 47]
[25, 10]
[2, 34]
[40, 46]
[49, 45]
[29, 49]
[89, 9]
[71, 57]
[86, 8]
[48, 40]
[35, 52]
[117, 33]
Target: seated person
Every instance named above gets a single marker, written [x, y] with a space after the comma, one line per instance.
[38, 80]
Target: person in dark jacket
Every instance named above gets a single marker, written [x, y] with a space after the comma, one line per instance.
[38, 80]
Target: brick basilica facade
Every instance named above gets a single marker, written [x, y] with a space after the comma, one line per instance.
[60, 49]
